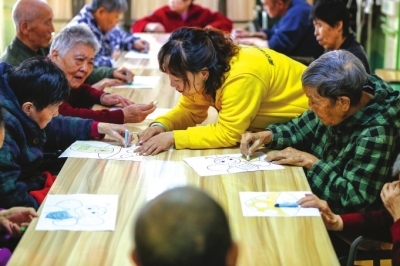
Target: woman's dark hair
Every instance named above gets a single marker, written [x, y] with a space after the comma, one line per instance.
[332, 12]
[193, 49]
[38, 81]
[1, 115]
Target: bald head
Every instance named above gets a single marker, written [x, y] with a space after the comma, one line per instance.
[33, 21]
[183, 226]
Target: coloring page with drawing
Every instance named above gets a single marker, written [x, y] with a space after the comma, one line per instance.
[78, 212]
[229, 164]
[102, 150]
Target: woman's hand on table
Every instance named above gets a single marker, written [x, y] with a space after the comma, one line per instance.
[116, 132]
[156, 144]
[332, 221]
[114, 99]
[136, 113]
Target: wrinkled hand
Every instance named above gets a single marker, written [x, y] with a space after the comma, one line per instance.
[390, 196]
[114, 99]
[332, 221]
[115, 131]
[291, 156]
[123, 74]
[141, 45]
[12, 219]
[107, 82]
[157, 144]
[256, 140]
[154, 27]
[136, 113]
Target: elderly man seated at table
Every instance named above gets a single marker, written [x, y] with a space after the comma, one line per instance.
[31, 94]
[183, 226]
[33, 21]
[346, 141]
[73, 51]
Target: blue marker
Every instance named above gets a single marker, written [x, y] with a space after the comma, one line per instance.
[127, 75]
[287, 205]
[126, 138]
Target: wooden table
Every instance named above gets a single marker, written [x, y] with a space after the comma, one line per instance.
[388, 75]
[262, 240]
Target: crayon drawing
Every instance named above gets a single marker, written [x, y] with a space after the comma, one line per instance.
[263, 204]
[102, 150]
[79, 212]
[229, 164]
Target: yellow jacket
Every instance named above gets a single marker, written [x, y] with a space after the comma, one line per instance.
[262, 87]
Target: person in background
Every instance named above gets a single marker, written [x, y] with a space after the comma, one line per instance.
[31, 94]
[181, 13]
[382, 225]
[292, 35]
[331, 20]
[102, 17]
[33, 21]
[183, 226]
[249, 86]
[73, 51]
[347, 138]
[11, 220]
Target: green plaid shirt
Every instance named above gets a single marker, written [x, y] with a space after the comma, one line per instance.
[355, 157]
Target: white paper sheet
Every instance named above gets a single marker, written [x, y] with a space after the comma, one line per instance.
[263, 204]
[138, 55]
[141, 82]
[230, 163]
[78, 212]
[102, 150]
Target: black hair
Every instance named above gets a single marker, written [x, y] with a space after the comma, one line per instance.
[39, 81]
[191, 49]
[332, 12]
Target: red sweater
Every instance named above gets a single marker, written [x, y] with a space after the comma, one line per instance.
[197, 17]
[378, 225]
[80, 102]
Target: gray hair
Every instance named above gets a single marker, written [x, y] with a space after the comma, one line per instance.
[71, 36]
[336, 73]
[109, 5]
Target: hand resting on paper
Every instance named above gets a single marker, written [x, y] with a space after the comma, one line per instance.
[115, 131]
[157, 142]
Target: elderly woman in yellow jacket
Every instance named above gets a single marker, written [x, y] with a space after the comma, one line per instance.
[250, 87]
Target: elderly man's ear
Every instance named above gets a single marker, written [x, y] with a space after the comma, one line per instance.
[344, 103]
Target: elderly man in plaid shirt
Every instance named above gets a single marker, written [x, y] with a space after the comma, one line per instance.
[102, 17]
[348, 139]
